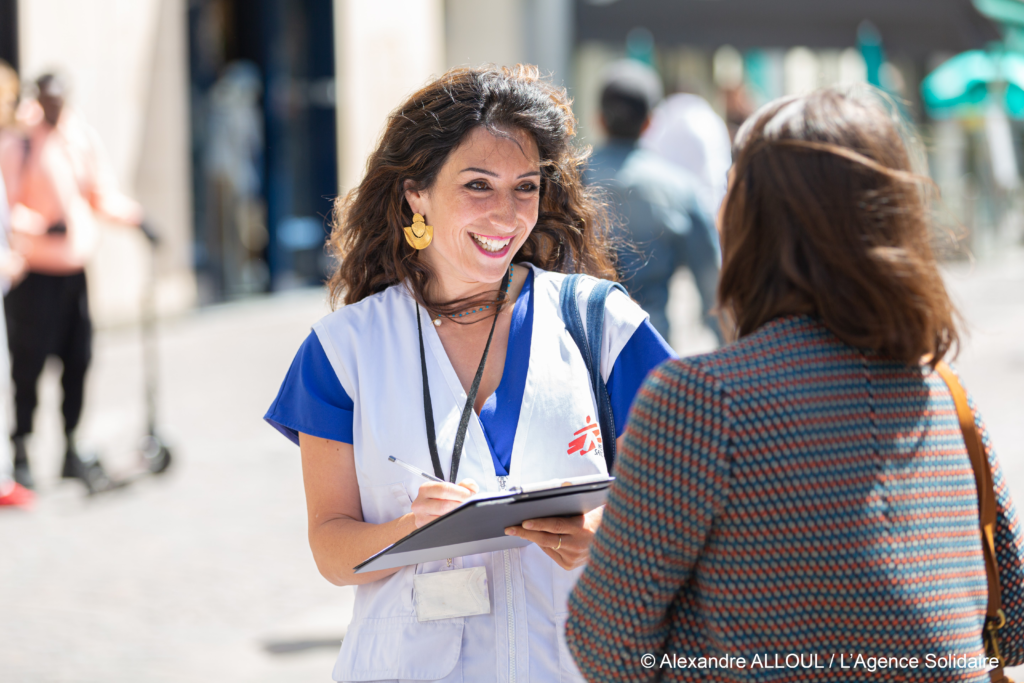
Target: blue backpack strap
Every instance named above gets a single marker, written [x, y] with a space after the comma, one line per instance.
[589, 343]
[573, 321]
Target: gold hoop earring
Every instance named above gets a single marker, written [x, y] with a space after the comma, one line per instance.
[419, 234]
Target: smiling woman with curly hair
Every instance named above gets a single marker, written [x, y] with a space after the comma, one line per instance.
[451, 353]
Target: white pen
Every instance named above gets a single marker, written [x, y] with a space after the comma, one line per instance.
[414, 469]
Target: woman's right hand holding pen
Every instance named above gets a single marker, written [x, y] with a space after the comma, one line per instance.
[440, 498]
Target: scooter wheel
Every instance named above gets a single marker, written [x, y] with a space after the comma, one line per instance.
[161, 462]
[156, 455]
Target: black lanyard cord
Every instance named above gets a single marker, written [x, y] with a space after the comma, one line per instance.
[428, 408]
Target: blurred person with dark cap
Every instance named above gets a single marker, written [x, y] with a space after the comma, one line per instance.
[12, 268]
[59, 183]
[662, 212]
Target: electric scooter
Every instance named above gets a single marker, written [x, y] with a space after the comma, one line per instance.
[154, 452]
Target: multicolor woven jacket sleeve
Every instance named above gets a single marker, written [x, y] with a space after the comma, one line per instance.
[791, 495]
[1009, 555]
[671, 479]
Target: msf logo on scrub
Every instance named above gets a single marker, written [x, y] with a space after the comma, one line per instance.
[587, 439]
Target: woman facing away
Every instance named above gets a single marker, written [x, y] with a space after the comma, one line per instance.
[806, 489]
[452, 253]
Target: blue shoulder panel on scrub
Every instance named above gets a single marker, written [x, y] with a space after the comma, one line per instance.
[311, 399]
[644, 351]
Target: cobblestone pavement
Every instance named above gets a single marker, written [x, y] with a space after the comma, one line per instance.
[204, 574]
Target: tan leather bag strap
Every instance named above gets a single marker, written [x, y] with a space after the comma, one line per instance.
[983, 480]
[987, 511]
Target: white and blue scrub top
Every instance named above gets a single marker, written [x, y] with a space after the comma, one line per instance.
[312, 401]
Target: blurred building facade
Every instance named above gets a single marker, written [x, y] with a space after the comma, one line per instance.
[238, 122]
[739, 54]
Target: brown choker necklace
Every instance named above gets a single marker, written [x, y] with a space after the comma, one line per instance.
[504, 290]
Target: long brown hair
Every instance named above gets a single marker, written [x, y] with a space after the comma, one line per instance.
[367, 238]
[825, 217]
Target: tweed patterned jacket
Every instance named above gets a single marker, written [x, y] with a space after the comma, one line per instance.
[795, 502]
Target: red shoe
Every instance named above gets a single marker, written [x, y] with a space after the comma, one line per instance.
[18, 496]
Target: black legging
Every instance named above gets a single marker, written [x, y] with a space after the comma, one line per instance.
[48, 315]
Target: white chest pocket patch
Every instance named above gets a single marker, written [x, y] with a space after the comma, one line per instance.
[448, 594]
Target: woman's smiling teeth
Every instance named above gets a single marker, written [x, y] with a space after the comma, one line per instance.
[491, 244]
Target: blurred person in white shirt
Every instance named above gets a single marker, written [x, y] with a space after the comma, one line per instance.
[686, 131]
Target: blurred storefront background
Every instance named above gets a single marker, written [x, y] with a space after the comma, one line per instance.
[264, 166]
[238, 122]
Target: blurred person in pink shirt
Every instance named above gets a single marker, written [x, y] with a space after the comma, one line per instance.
[58, 184]
[12, 268]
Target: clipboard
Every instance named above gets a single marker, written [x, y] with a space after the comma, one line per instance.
[478, 526]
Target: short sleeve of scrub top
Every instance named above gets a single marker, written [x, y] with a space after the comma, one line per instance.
[312, 401]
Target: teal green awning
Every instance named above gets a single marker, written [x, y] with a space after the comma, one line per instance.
[969, 81]
[1004, 11]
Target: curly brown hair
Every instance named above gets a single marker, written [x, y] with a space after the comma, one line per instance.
[825, 217]
[367, 239]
